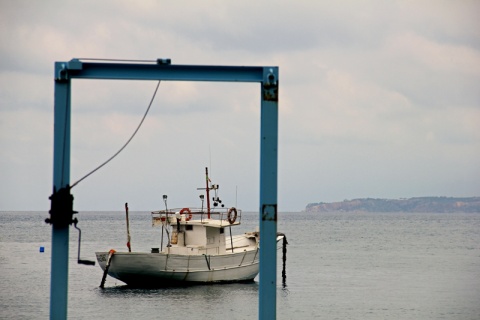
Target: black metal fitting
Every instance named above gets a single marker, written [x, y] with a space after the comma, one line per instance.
[164, 61]
[61, 210]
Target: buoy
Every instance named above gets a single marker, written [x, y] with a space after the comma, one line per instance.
[42, 249]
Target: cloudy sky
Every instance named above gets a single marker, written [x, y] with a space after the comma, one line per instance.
[377, 99]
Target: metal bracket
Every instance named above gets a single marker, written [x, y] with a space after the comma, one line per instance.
[270, 85]
[62, 70]
[80, 261]
[61, 210]
[164, 61]
[269, 212]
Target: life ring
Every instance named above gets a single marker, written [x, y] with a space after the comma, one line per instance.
[232, 215]
[187, 212]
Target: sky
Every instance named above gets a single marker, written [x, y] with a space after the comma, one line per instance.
[378, 99]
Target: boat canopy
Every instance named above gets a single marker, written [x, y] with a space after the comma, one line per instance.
[219, 218]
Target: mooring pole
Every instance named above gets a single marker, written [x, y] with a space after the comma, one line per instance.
[129, 246]
[268, 195]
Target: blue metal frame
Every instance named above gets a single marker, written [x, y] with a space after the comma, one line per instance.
[61, 179]
[268, 79]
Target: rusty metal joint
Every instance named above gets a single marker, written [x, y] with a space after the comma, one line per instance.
[270, 94]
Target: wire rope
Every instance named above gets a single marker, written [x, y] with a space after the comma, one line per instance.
[128, 141]
[115, 60]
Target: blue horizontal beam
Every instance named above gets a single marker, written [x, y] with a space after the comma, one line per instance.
[76, 69]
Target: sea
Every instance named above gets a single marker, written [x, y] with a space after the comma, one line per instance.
[339, 266]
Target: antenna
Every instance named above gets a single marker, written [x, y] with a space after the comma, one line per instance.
[236, 193]
[210, 158]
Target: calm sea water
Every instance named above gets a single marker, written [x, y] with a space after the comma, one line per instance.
[339, 266]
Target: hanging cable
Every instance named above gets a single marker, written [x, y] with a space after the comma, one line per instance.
[121, 149]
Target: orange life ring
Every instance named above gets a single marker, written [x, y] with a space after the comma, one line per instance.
[232, 215]
[188, 212]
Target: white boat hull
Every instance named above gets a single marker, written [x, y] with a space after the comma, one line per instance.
[161, 269]
[197, 249]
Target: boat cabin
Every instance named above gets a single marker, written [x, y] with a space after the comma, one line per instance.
[188, 236]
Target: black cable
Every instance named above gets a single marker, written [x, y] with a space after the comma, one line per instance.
[121, 149]
[115, 60]
[67, 116]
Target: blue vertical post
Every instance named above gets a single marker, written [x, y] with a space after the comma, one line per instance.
[61, 179]
[268, 194]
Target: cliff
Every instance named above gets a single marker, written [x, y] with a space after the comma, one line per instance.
[422, 204]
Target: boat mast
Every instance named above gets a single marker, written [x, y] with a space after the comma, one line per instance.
[208, 192]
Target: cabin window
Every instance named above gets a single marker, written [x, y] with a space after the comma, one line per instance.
[188, 227]
[221, 230]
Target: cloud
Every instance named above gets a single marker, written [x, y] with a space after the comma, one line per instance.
[377, 99]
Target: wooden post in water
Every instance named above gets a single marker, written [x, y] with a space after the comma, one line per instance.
[128, 228]
[284, 259]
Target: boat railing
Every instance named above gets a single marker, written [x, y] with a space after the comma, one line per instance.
[222, 216]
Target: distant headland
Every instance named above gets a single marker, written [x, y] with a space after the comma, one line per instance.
[421, 204]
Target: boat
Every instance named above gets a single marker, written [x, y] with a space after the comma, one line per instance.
[197, 249]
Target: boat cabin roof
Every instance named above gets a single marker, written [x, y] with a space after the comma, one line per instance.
[189, 216]
[209, 223]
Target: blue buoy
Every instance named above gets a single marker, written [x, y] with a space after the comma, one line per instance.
[42, 249]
